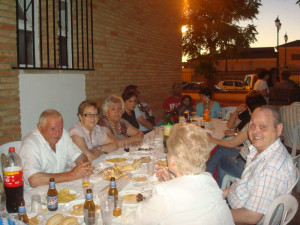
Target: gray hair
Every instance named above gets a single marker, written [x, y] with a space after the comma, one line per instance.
[49, 113]
[275, 113]
[111, 99]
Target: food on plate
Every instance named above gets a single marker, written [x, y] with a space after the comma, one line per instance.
[34, 220]
[133, 198]
[64, 196]
[145, 159]
[77, 209]
[144, 149]
[55, 220]
[116, 160]
[137, 163]
[140, 178]
[161, 163]
[111, 172]
[70, 221]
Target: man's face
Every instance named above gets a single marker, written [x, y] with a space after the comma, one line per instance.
[176, 89]
[52, 131]
[262, 132]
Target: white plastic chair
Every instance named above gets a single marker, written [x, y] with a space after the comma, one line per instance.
[281, 210]
[296, 182]
[296, 161]
[4, 149]
[228, 180]
[295, 139]
[227, 111]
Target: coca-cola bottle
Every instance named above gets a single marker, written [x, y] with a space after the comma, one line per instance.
[13, 181]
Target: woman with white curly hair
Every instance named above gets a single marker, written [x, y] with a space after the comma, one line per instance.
[192, 196]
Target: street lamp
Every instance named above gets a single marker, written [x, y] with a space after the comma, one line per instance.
[285, 40]
[278, 25]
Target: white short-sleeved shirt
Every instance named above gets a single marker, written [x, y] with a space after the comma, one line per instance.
[261, 85]
[37, 155]
[98, 135]
[139, 113]
[191, 199]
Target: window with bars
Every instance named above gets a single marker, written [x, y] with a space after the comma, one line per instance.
[55, 34]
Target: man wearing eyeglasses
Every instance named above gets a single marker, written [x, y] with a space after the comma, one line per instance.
[47, 150]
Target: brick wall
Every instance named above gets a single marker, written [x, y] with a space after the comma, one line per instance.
[135, 42]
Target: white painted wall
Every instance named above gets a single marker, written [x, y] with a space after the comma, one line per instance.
[38, 92]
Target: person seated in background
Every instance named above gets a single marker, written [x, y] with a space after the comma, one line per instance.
[174, 100]
[47, 150]
[142, 111]
[122, 131]
[192, 196]
[281, 91]
[269, 171]
[261, 84]
[186, 105]
[241, 115]
[206, 95]
[230, 157]
[88, 135]
[130, 98]
[274, 77]
[290, 117]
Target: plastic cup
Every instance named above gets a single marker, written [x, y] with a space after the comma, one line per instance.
[85, 180]
[150, 168]
[118, 202]
[107, 207]
[36, 205]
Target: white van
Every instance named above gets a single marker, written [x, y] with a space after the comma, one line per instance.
[250, 80]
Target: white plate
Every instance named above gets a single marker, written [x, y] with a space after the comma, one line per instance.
[69, 207]
[140, 183]
[146, 194]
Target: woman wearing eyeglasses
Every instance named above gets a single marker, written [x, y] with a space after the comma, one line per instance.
[87, 135]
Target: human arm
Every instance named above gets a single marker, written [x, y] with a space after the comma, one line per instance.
[145, 123]
[109, 144]
[236, 141]
[264, 92]
[246, 216]
[40, 178]
[234, 120]
[135, 135]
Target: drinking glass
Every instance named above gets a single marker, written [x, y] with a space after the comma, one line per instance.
[118, 202]
[85, 180]
[107, 207]
[36, 205]
[150, 168]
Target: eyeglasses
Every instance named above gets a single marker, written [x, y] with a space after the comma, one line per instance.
[91, 115]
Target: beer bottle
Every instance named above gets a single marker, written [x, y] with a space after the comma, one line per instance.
[89, 208]
[112, 191]
[52, 201]
[22, 213]
[175, 115]
[168, 124]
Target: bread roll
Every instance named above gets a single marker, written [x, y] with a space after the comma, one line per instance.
[70, 221]
[55, 220]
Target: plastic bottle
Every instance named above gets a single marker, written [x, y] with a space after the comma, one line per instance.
[112, 191]
[52, 201]
[175, 115]
[89, 208]
[168, 124]
[206, 110]
[22, 213]
[13, 181]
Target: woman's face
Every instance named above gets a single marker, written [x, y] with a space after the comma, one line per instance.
[89, 118]
[186, 102]
[203, 97]
[130, 103]
[114, 111]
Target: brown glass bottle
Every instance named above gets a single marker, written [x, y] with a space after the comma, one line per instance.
[22, 213]
[112, 191]
[52, 201]
[89, 208]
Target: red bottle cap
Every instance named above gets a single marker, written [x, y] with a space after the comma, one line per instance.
[11, 149]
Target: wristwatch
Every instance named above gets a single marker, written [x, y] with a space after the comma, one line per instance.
[235, 132]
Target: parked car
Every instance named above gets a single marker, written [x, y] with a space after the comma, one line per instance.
[192, 85]
[226, 85]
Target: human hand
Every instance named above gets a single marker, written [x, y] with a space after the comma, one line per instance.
[241, 108]
[83, 169]
[148, 107]
[162, 173]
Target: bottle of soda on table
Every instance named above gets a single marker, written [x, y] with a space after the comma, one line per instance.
[89, 208]
[112, 191]
[22, 213]
[168, 124]
[52, 201]
[13, 181]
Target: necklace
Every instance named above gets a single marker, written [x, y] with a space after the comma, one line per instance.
[114, 129]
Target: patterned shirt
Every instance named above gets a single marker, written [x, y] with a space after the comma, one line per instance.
[265, 177]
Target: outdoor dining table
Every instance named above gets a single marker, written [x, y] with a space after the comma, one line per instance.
[216, 128]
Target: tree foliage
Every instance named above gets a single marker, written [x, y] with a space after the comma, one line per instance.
[213, 27]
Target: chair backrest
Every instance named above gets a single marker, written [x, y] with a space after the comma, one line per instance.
[296, 182]
[227, 111]
[4, 149]
[295, 139]
[281, 211]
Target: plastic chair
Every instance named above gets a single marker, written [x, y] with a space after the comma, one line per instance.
[4, 149]
[296, 161]
[228, 180]
[281, 210]
[227, 111]
[295, 139]
[296, 182]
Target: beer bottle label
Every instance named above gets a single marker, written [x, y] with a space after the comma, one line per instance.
[111, 197]
[52, 202]
[89, 196]
[13, 178]
[113, 184]
[167, 129]
[52, 185]
[22, 210]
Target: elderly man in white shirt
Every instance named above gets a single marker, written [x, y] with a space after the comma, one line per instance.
[47, 150]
